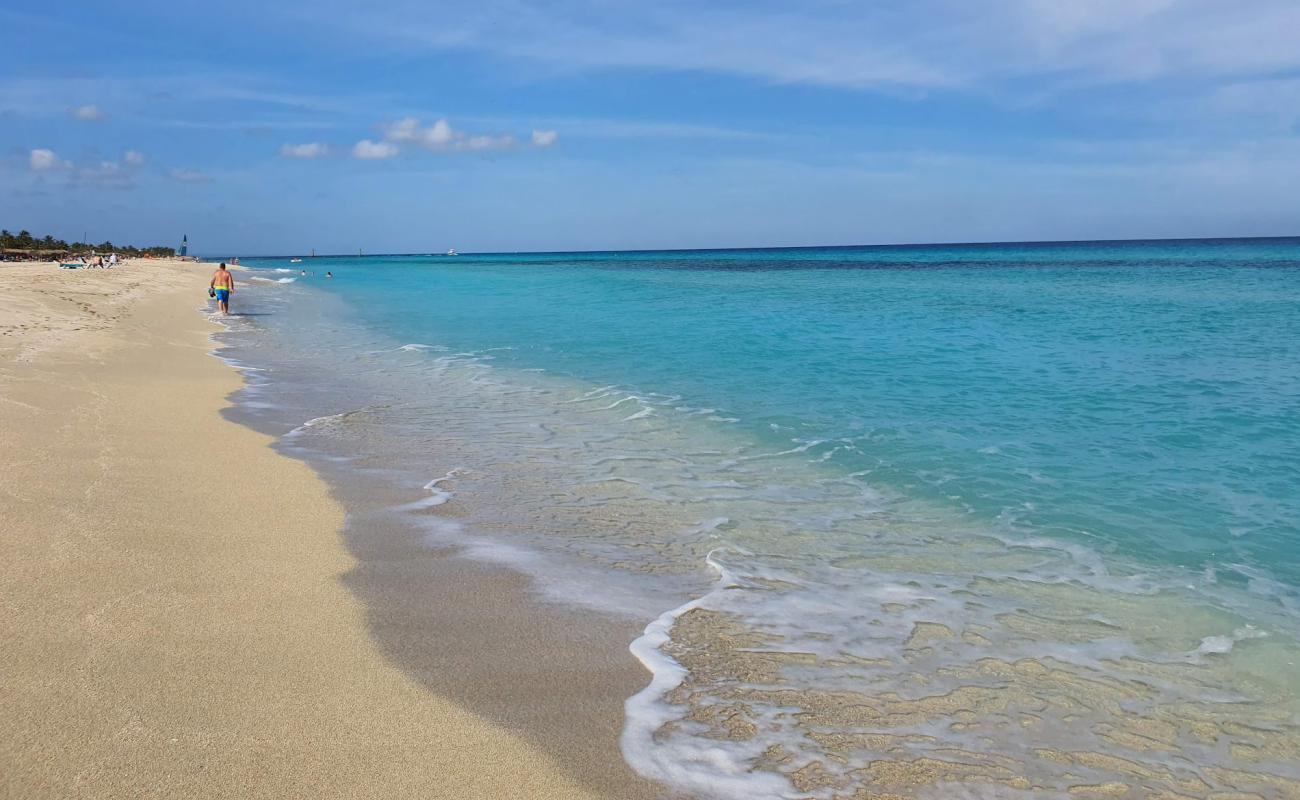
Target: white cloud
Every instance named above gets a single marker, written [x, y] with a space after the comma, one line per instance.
[103, 173]
[89, 113]
[404, 130]
[42, 160]
[441, 137]
[545, 138]
[188, 176]
[601, 128]
[116, 174]
[374, 150]
[309, 150]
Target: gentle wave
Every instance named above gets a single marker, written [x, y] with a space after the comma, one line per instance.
[840, 624]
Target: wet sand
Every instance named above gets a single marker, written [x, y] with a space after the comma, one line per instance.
[180, 616]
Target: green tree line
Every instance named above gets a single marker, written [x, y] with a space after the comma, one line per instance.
[25, 241]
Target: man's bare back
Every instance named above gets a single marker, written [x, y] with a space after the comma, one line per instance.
[222, 284]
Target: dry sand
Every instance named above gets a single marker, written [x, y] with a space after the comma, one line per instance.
[173, 621]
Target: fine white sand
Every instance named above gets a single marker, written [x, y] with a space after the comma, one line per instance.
[172, 623]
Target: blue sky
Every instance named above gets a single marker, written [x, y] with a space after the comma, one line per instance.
[591, 124]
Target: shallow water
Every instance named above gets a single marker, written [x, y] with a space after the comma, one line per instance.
[1015, 518]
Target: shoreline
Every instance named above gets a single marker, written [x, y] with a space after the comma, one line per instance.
[866, 639]
[182, 619]
[479, 668]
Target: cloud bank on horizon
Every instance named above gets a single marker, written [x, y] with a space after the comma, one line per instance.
[516, 124]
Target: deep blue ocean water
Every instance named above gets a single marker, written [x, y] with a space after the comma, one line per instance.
[899, 426]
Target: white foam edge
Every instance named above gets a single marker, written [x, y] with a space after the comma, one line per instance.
[594, 394]
[705, 768]
[313, 422]
[1224, 644]
[551, 577]
[437, 495]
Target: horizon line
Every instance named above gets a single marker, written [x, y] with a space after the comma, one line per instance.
[891, 245]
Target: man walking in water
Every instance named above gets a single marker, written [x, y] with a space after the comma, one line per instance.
[222, 284]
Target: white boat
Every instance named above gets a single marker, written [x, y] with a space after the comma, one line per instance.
[295, 261]
[452, 252]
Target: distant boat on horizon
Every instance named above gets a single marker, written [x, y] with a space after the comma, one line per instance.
[295, 261]
[452, 252]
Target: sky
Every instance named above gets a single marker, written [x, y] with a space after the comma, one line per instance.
[500, 125]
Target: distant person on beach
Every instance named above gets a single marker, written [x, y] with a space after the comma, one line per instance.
[222, 284]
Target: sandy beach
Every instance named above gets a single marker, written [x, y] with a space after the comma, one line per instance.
[177, 618]
[650, 401]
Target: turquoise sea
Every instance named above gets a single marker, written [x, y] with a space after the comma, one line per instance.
[918, 521]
